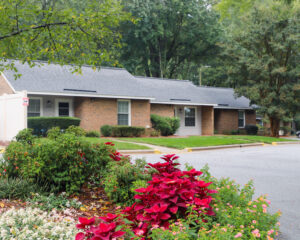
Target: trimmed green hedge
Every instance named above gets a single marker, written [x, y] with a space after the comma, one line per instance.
[122, 131]
[41, 125]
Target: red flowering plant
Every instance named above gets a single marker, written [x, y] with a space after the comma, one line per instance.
[107, 229]
[114, 154]
[168, 196]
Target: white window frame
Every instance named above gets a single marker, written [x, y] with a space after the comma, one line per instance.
[244, 117]
[195, 117]
[41, 105]
[129, 110]
[66, 100]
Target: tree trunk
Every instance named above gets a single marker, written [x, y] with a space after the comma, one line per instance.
[275, 126]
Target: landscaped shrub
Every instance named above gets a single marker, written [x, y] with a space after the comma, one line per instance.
[168, 196]
[41, 125]
[16, 188]
[155, 133]
[127, 131]
[237, 216]
[76, 130]
[166, 125]
[122, 178]
[95, 134]
[66, 163]
[109, 228]
[251, 129]
[54, 133]
[106, 130]
[35, 224]
[25, 136]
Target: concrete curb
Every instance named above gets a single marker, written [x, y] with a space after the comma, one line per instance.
[283, 143]
[224, 147]
[143, 151]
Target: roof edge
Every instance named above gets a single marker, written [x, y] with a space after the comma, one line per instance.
[89, 95]
[186, 103]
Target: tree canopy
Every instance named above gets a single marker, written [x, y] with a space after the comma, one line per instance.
[263, 57]
[61, 31]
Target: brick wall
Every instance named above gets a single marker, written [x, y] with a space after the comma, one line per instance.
[207, 122]
[250, 117]
[225, 120]
[165, 110]
[96, 112]
[140, 113]
[4, 87]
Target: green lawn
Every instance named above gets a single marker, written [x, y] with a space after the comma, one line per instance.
[119, 145]
[202, 141]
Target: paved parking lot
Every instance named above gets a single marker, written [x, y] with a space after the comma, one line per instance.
[275, 170]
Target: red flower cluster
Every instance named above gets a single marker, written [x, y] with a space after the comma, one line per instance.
[169, 194]
[106, 230]
[115, 155]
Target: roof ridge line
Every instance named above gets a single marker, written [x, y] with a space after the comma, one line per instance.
[165, 79]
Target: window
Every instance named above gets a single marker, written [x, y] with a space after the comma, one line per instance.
[63, 109]
[190, 117]
[34, 108]
[123, 112]
[241, 119]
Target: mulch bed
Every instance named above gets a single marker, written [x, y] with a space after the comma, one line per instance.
[94, 203]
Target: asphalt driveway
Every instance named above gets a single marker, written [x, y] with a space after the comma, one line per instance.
[274, 169]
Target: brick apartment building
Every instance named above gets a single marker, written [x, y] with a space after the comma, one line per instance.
[113, 96]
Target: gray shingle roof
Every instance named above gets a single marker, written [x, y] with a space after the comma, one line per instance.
[117, 82]
[54, 78]
[172, 91]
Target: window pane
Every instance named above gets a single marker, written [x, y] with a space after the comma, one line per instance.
[123, 119]
[190, 118]
[123, 107]
[241, 119]
[63, 109]
[34, 108]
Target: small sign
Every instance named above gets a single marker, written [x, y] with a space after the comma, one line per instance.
[25, 101]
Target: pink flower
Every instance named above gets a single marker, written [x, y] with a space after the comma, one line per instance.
[238, 235]
[270, 232]
[254, 222]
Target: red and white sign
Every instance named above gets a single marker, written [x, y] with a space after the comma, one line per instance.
[25, 101]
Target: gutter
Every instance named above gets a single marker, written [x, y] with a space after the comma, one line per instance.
[88, 95]
[187, 103]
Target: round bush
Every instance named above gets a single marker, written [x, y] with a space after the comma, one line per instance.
[251, 129]
[106, 130]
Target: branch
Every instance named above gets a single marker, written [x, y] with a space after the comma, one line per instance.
[47, 25]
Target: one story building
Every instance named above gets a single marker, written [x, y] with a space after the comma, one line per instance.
[113, 96]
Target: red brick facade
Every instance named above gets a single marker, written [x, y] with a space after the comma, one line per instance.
[96, 112]
[207, 122]
[165, 110]
[4, 87]
[227, 119]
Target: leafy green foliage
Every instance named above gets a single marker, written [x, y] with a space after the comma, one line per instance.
[25, 136]
[50, 202]
[17, 188]
[40, 125]
[95, 134]
[106, 130]
[60, 31]
[54, 133]
[166, 125]
[76, 130]
[121, 179]
[168, 37]
[127, 131]
[262, 52]
[65, 164]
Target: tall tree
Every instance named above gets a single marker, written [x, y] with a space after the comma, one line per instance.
[62, 31]
[263, 54]
[168, 36]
